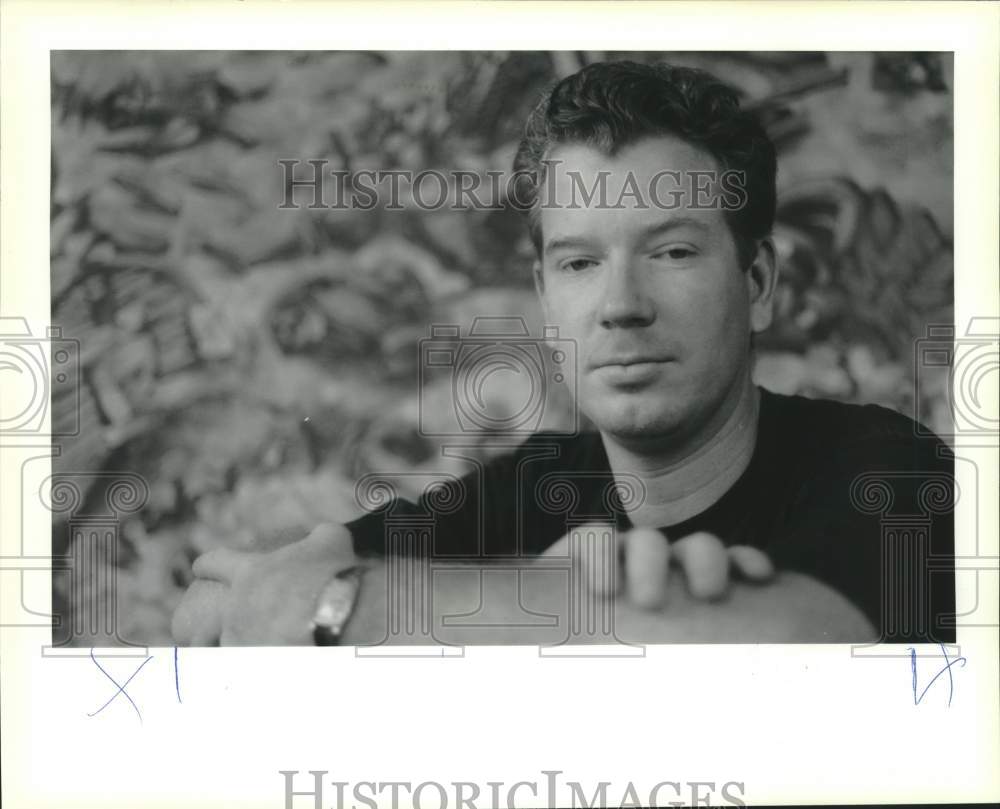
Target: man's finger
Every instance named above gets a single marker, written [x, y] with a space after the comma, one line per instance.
[328, 534]
[197, 621]
[592, 550]
[647, 563]
[705, 563]
[594, 547]
[222, 564]
[751, 563]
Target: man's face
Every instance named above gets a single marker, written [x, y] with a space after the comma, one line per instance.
[655, 299]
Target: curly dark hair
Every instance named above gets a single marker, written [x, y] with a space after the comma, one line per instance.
[611, 105]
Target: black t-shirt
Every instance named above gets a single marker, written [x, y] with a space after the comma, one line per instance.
[857, 497]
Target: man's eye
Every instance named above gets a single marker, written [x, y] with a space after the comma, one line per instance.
[675, 253]
[579, 264]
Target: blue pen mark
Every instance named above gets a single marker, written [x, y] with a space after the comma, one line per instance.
[177, 678]
[947, 669]
[121, 687]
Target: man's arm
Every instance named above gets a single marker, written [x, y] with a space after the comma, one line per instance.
[268, 599]
[791, 609]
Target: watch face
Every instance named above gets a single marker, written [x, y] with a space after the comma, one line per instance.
[336, 603]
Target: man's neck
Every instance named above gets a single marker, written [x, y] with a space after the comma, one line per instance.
[683, 481]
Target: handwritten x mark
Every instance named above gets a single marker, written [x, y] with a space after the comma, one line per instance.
[946, 670]
[121, 687]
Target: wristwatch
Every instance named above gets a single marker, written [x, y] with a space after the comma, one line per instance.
[335, 605]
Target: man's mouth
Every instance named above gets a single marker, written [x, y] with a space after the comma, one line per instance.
[630, 370]
[629, 360]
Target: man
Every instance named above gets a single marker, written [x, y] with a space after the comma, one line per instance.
[650, 197]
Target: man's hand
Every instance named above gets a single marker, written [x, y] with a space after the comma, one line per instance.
[244, 598]
[255, 598]
[198, 619]
[638, 565]
[269, 599]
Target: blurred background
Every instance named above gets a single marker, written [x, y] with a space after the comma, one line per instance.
[241, 366]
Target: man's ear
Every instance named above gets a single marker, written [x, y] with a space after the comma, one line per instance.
[762, 279]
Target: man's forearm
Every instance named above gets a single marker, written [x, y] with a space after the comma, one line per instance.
[406, 604]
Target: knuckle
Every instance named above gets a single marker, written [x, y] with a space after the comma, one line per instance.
[330, 532]
[704, 542]
[203, 562]
[752, 562]
[643, 537]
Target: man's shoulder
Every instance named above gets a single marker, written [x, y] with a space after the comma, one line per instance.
[825, 421]
[820, 440]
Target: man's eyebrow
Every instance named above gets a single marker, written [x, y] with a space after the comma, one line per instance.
[663, 228]
[567, 243]
[648, 232]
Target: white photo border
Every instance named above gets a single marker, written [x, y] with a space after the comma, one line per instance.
[793, 723]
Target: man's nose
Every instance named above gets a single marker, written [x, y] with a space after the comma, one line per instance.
[625, 303]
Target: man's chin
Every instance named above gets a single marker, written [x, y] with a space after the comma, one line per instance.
[637, 421]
